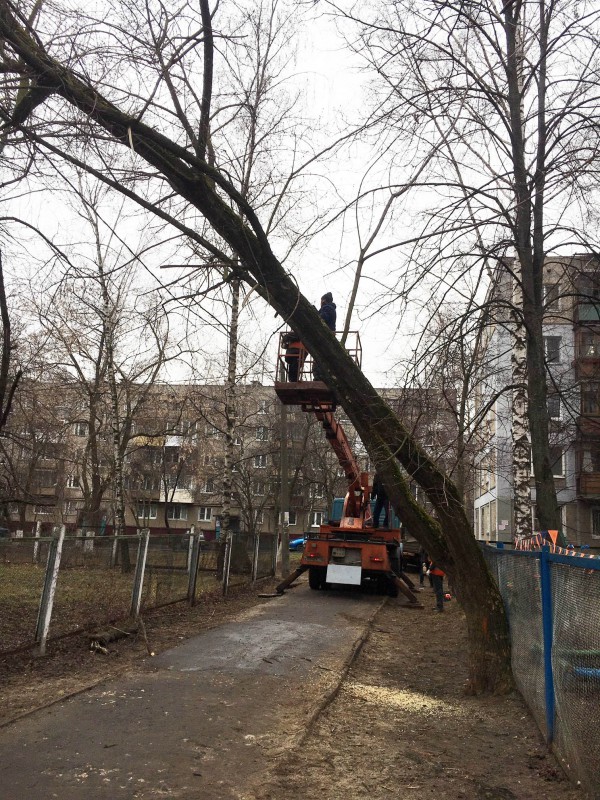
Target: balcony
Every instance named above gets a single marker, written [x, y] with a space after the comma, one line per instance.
[587, 367]
[588, 485]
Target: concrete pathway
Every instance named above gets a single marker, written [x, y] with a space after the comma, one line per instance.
[200, 720]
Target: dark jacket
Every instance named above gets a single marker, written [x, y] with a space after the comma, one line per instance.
[328, 314]
[378, 490]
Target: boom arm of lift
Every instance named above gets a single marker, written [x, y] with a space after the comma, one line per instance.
[356, 502]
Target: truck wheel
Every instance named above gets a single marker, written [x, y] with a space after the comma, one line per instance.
[316, 578]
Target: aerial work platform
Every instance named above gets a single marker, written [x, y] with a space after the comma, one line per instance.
[297, 380]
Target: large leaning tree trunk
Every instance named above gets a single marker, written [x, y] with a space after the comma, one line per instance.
[448, 536]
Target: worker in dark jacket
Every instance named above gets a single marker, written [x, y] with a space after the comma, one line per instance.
[437, 576]
[328, 314]
[379, 494]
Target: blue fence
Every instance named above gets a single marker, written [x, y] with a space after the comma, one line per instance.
[553, 607]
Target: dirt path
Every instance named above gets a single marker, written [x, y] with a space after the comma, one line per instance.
[401, 726]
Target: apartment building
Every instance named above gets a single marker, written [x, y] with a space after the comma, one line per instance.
[571, 341]
[58, 460]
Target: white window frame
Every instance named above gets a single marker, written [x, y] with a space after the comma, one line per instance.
[552, 305]
[562, 463]
[72, 482]
[148, 510]
[263, 407]
[71, 508]
[595, 529]
[558, 340]
[259, 488]
[208, 487]
[81, 429]
[555, 398]
[204, 513]
[316, 518]
[262, 433]
[260, 461]
[293, 518]
[180, 508]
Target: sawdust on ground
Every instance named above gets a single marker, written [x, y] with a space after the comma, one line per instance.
[400, 725]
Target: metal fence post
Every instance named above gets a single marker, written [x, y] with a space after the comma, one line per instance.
[192, 531]
[194, 558]
[227, 562]
[47, 598]
[140, 567]
[546, 592]
[36, 545]
[255, 557]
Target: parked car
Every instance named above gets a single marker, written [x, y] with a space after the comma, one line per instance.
[297, 544]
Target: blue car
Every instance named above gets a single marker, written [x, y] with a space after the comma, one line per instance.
[297, 544]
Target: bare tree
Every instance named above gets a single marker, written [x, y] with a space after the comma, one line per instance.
[194, 182]
[511, 92]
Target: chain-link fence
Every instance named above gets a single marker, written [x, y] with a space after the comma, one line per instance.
[55, 585]
[553, 604]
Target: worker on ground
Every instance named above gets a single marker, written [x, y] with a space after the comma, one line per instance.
[437, 576]
[328, 314]
[423, 567]
[379, 494]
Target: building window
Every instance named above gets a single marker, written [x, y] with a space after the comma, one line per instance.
[260, 462]
[81, 429]
[552, 296]
[43, 510]
[316, 519]
[554, 406]
[557, 461]
[589, 294]
[293, 518]
[485, 522]
[590, 399]
[71, 507]
[591, 460]
[147, 510]
[317, 492]
[595, 523]
[204, 514]
[209, 486]
[259, 488]
[151, 483]
[176, 511]
[552, 349]
[263, 406]
[212, 432]
[589, 345]
[238, 441]
[44, 478]
[72, 482]
[259, 517]
[262, 433]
